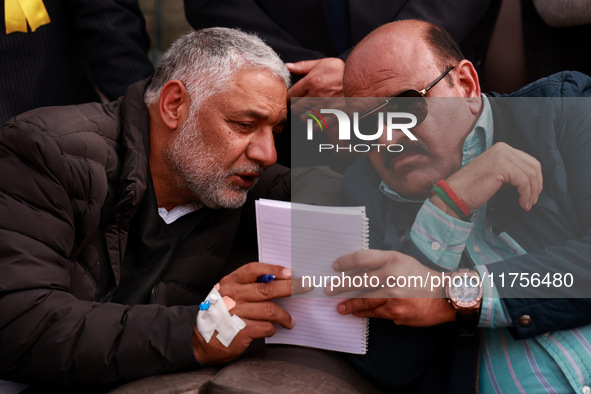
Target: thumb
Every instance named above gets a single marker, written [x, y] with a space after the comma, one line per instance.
[302, 67]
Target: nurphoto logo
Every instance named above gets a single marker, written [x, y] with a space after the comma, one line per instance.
[388, 122]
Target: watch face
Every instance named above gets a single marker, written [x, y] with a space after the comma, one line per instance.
[466, 292]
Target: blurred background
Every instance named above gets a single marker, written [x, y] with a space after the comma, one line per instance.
[166, 21]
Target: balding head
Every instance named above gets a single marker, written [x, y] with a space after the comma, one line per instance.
[409, 56]
[398, 50]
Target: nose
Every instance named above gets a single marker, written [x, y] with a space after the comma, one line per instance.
[262, 147]
[396, 135]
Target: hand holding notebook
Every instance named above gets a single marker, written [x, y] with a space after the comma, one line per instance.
[307, 239]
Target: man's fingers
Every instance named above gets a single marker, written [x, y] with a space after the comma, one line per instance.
[526, 176]
[264, 311]
[498, 167]
[537, 177]
[214, 352]
[299, 89]
[259, 329]
[302, 67]
[523, 172]
[250, 272]
[524, 188]
[299, 286]
[364, 259]
[242, 285]
[371, 313]
[356, 305]
[359, 281]
[254, 292]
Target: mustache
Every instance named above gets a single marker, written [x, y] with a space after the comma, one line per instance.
[409, 147]
[259, 169]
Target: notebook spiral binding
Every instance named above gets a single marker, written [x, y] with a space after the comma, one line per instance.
[365, 337]
[365, 233]
[365, 244]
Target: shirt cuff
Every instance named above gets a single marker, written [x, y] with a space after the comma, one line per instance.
[493, 313]
[444, 249]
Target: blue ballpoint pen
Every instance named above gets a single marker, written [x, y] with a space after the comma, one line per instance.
[266, 278]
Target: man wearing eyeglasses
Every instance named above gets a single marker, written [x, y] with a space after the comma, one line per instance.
[488, 189]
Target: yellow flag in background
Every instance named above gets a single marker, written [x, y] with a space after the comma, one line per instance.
[20, 12]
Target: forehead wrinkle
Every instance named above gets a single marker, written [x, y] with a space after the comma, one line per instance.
[266, 102]
[404, 58]
[379, 85]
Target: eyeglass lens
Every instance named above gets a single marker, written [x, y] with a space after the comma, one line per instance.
[410, 101]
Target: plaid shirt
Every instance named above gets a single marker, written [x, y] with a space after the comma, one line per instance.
[556, 362]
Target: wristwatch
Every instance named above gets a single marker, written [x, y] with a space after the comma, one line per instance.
[464, 294]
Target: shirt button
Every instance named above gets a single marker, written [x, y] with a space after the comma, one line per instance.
[477, 249]
[586, 390]
[435, 246]
[525, 321]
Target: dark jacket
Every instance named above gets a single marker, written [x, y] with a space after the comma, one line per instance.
[556, 232]
[79, 228]
[87, 45]
[300, 29]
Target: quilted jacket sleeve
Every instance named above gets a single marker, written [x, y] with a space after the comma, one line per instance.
[49, 193]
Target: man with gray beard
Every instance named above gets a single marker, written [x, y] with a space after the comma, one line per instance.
[118, 220]
[202, 174]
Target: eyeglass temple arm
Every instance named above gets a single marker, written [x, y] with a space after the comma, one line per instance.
[371, 111]
[424, 91]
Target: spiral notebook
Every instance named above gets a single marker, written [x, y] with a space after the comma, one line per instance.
[308, 238]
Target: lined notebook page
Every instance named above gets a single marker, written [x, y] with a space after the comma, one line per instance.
[308, 239]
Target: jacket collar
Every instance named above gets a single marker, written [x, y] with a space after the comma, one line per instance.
[133, 151]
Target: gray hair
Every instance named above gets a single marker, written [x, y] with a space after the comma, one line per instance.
[206, 60]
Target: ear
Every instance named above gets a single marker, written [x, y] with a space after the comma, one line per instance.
[174, 104]
[467, 79]
[469, 85]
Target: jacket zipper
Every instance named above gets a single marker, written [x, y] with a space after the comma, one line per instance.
[153, 293]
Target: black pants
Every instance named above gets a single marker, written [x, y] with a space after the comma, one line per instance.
[418, 360]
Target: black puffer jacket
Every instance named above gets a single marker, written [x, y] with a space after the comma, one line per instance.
[81, 241]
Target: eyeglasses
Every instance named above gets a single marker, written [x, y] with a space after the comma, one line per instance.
[413, 102]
